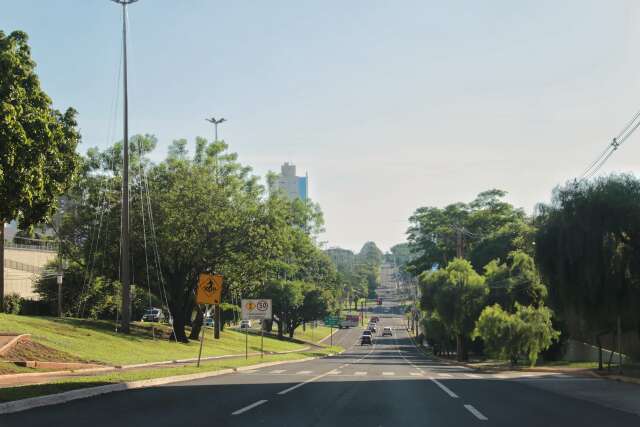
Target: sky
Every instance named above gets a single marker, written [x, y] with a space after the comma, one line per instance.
[388, 106]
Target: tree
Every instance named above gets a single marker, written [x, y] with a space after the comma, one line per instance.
[588, 253]
[507, 335]
[515, 282]
[456, 293]
[484, 229]
[37, 143]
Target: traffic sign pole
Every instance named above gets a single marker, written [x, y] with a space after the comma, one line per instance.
[246, 343]
[261, 340]
[201, 341]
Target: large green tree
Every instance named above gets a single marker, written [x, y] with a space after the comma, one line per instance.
[37, 142]
[457, 294]
[588, 252]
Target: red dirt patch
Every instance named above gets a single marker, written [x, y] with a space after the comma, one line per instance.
[29, 350]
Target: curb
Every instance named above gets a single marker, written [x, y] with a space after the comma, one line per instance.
[8, 346]
[84, 393]
[97, 370]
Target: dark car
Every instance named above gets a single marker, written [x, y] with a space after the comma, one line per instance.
[366, 338]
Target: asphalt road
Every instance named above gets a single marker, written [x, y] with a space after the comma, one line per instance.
[388, 384]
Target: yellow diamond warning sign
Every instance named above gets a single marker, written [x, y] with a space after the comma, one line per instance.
[209, 289]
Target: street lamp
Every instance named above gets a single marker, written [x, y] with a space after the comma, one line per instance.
[216, 123]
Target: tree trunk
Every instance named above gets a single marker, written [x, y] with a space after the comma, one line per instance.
[280, 331]
[178, 326]
[196, 324]
[2, 267]
[599, 344]
[459, 347]
[216, 321]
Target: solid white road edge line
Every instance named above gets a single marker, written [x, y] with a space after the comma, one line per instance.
[248, 408]
[444, 388]
[475, 412]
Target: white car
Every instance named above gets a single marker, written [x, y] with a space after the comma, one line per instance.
[245, 324]
[387, 331]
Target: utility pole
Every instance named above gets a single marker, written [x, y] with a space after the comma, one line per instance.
[124, 230]
[215, 124]
[459, 243]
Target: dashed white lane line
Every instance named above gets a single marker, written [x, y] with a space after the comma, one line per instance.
[359, 373]
[443, 375]
[303, 372]
[472, 375]
[476, 413]
[334, 372]
[417, 374]
[444, 388]
[248, 408]
[287, 390]
[278, 371]
[388, 373]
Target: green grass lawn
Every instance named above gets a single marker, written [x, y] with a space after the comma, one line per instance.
[23, 392]
[312, 334]
[96, 341]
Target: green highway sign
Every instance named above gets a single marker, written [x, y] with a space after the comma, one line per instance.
[331, 321]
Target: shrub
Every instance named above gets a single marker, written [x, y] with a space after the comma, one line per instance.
[12, 303]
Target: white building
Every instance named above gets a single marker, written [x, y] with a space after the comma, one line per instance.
[293, 186]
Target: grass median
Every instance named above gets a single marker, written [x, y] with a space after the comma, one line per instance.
[97, 341]
[27, 391]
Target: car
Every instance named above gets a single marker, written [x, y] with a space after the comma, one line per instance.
[366, 338]
[387, 331]
[152, 315]
[372, 327]
[245, 324]
[374, 319]
[208, 321]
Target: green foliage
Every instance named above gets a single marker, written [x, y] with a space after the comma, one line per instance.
[12, 303]
[457, 294]
[437, 333]
[587, 252]
[37, 154]
[527, 332]
[492, 229]
[515, 282]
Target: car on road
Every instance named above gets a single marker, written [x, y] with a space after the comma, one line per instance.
[152, 315]
[387, 331]
[245, 324]
[374, 319]
[372, 327]
[366, 338]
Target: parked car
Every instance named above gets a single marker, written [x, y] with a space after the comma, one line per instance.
[387, 331]
[208, 321]
[152, 315]
[366, 338]
[245, 324]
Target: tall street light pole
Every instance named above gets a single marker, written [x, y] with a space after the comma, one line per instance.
[124, 229]
[215, 124]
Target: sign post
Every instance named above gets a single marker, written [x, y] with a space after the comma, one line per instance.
[256, 309]
[209, 292]
[332, 322]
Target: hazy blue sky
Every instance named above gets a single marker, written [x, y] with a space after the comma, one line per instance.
[389, 105]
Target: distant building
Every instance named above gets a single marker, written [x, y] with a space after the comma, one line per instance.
[293, 186]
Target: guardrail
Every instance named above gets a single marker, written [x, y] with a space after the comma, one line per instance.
[17, 265]
[42, 246]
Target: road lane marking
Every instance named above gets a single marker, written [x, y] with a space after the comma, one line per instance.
[248, 408]
[472, 375]
[416, 374]
[303, 372]
[444, 388]
[278, 371]
[287, 390]
[334, 372]
[360, 373]
[388, 373]
[475, 412]
[443, 375]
